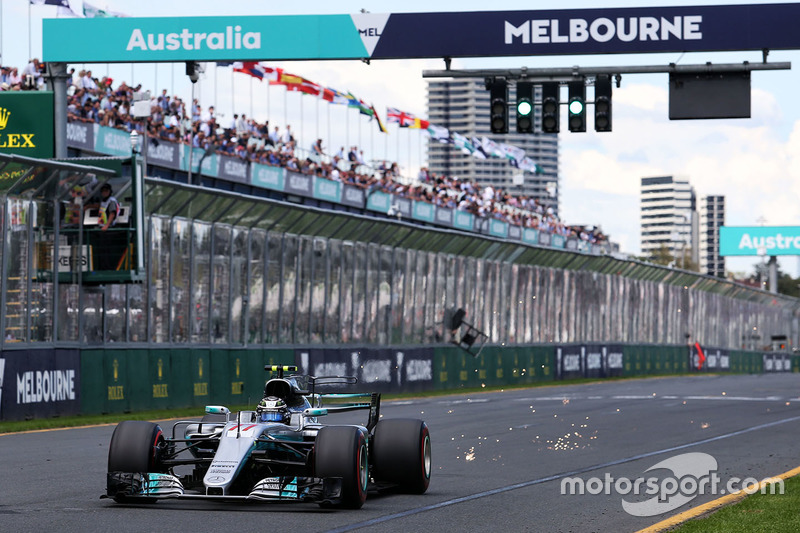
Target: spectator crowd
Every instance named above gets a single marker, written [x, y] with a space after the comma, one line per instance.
[96, 100]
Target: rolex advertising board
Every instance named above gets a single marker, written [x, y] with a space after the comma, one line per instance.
[26, 123]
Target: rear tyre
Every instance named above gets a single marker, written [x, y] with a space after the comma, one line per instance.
[134, 447]
[341, 452]
[401, 454]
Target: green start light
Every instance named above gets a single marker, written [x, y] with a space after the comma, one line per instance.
[576, 107]
[524, 108]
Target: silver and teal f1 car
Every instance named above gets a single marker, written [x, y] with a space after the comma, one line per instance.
[278, 452]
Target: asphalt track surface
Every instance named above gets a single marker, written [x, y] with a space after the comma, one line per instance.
[499, 460]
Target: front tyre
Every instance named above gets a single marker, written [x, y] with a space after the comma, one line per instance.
[135, 447]
[401, 454]
[341, 452]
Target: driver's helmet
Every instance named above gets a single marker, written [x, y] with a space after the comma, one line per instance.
[273, 409]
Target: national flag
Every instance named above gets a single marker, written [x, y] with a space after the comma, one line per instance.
[491, 148]
[326, 94]
[513, 153]
[305, 86]
[479, 152]
[395, 116]
[339, 97]
[419, 124]
[352, 101]
[61, 3]
[67, 11]
[439, 133]
[528, 164]
[284, 78]
[463, 143]
[381, 127]
[256, 70]
[296, 83]
[363, 108]
[90, 11]
[63, 6]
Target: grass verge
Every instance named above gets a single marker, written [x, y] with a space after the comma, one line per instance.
[755, 513]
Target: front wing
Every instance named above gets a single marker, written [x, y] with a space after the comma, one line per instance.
[130, 487]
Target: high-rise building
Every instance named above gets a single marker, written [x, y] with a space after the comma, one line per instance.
[712, 216]
[669, 218]
[462, 106]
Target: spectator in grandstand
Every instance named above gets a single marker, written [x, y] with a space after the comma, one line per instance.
[241, 125]
[32, 74]
[250, 140]
[287, 136]
[316, 148]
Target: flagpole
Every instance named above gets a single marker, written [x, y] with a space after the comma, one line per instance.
[155, 82]
[233, 99]
[408, 168]
[285, 106]
[251, 97]
[269, 111]
[316, 135]
[29, 29]
[330, 139]
[419, 153]
[216, 68]
[299, 137]
[1, 32]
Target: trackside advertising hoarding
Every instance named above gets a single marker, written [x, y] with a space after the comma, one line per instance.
[758, 240]
[26, 123]
[423, 35]
[39, 383]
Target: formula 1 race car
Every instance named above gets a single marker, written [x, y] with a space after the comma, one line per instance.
[278, 452]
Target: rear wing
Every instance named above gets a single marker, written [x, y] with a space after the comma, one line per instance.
[342, 403]
[336, 402]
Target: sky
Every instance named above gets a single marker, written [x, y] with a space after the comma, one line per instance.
[754, 162]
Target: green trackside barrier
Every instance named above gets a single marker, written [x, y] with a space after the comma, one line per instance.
[162, 386]
[544, 363]
[137, 379]
[115, 381]
[93, 392]
[496, 366]
[200, 376]
[181, 387]
[632, 360]
[678, 358]
[739, 362]
[124, 380]
[455, 369]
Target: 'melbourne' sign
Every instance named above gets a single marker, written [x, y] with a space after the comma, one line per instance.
[759, 240]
